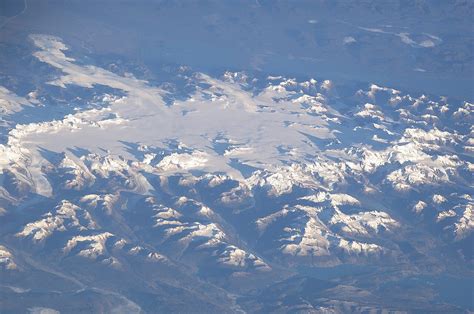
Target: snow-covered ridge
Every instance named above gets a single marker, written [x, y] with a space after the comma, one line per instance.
[323, 229]
[6, 259]
[10, 103]
[64, 217]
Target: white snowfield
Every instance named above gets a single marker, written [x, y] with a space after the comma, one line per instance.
[288, 141]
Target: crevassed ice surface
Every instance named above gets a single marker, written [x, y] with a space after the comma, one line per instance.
[130, 187]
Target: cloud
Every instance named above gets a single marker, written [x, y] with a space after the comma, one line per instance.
[349, 40]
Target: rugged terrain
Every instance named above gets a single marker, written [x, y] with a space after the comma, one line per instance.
[228, 193]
